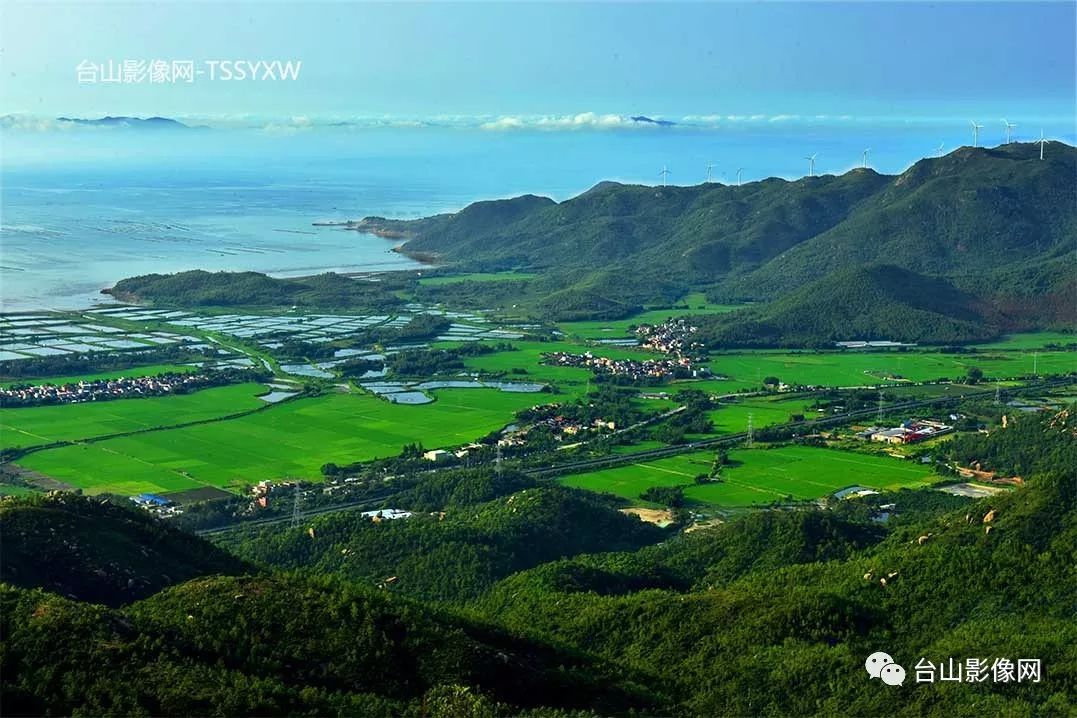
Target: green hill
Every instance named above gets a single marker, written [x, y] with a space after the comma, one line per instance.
[997, 223]
[282, 646]
[94, 550]
[198, 288]
[458, 553]
[861, 302]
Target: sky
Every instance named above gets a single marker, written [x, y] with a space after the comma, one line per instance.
[551, 60]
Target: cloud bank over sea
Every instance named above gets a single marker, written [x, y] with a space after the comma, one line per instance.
[579, 122]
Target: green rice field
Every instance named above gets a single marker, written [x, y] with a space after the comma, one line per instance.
[747, 369]
[765, 410]
[758, 476]
[852, 368]
[293, 439]
[36, 425]
[528, 355]
[1032, 340]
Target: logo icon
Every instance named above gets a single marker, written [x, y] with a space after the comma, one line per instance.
[881, 665]
[892, 674]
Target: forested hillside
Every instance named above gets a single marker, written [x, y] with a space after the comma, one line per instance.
[861, 302]
[95, 550]
[572, 605]
[198, 288]
[997, 224]
[457, 553]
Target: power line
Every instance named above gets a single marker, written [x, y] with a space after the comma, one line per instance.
[296, 515]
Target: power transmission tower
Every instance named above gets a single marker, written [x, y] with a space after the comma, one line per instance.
[879, 414]
[497, 461]
[998, 395]
[296, 516]
[750, 437]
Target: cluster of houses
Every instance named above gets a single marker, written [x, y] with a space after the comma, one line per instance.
[99, 389]
[444, 456]
[674, 336]
[635, 369]
[157, 504]
[909, 432]
[564, 426]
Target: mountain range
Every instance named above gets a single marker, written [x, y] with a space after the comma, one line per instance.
[972, 244]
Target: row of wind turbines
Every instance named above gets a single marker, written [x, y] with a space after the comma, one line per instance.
[1008, 126]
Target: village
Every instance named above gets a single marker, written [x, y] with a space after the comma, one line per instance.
[646, 370]
[100, 389]
[673, 336]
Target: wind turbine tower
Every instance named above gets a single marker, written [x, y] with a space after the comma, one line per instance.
[811, 164]
[975, 133]
[939, 148]
[664, 173]
[864, 162]
[1041, 142]
[709, 168]
[1010, 127]
[741, 169]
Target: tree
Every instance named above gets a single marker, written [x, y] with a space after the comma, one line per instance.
[975, 374]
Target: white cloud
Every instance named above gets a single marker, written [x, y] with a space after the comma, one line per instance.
[581, 121]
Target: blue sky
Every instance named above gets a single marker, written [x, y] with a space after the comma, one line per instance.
[900, 60]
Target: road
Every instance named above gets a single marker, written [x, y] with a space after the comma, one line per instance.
[733, 439]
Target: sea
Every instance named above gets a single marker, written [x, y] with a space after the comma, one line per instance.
[82, 209]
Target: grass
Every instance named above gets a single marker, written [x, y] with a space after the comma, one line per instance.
[852, 368]
[37, 425]
[528, 355]
[1032, 340]
[746, 369]
[151, 370]
[765, 410]
[13, 490]
[475, 277]
[758, 476]
[291, 440]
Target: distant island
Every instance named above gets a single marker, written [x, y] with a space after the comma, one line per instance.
[647, 120]
[138, 123]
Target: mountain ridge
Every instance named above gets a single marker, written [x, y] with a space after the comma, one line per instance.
[973, 218]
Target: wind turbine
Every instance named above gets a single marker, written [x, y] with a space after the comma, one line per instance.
[739, 170]
[811, 164]
[1041, 142]
[975, 133]
[710, 166]
[1009, 129]
[864, 163]
[664, 173]
[939, 148]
